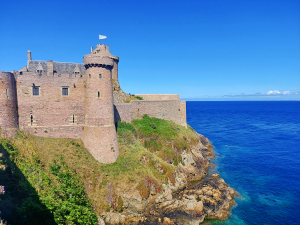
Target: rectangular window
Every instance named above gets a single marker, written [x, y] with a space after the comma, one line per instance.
[40, 72]
[65, 91]
[35, 90]
[100, 75]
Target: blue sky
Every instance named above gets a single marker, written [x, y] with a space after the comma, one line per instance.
[202, 49]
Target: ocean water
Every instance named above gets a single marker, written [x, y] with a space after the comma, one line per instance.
[257, 147]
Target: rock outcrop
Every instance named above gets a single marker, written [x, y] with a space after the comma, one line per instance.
[189, 200]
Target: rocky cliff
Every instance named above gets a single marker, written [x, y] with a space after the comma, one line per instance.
[160, 177]
[182, 201]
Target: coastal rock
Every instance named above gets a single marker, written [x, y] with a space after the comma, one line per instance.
[180, 203]
[100, 221]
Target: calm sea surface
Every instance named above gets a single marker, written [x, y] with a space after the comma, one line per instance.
[257, 147]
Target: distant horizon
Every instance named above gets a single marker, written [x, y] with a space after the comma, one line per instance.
[188, 100]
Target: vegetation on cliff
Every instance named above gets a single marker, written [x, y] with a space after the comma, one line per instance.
[133, 97]
[57, 181]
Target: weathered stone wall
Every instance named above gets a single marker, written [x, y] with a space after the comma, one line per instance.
[124, 112]
[115, 70]
[158, 97]
[8, 105]
[50, 114]
[165, 109]
[182, 113]
[99, 135]
[87, 111]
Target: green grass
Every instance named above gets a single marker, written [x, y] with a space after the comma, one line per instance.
[149, 153]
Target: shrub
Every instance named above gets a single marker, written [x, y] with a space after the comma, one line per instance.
[139, 97]
[126, 126]
[120, 204]
[56, 197]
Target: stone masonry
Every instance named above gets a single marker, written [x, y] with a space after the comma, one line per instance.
[74, 100]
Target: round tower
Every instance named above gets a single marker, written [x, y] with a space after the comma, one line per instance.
[99, 134]
[115, 69]
[8, 105]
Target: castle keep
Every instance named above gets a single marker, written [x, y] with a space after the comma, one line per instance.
[73, 100]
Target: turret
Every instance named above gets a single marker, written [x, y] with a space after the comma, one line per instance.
[99, 134]
[8, 105]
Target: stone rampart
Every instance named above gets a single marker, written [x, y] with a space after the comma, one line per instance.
[159, 97]
[8, 105]
[182, 113]
[165, 109]
[99, 135]
[50, 113]
[75, 100]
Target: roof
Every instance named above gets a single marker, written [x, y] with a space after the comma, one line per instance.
[59, 67]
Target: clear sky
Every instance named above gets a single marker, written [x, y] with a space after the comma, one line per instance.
[200, 49]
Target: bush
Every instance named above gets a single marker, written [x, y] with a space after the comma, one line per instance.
[154, 127]
[126, 133]
[120, 204]
[38, 197]
[126, 126]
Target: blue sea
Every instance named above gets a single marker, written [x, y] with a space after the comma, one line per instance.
[257, 147]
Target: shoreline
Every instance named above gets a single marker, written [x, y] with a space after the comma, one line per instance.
[187, 201]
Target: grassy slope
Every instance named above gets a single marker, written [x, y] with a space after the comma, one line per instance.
[149, 152]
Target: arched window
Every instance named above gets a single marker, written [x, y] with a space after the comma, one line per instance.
[90, 76]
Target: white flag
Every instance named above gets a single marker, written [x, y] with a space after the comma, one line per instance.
[102, 37]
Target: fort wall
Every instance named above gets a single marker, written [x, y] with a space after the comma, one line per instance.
[165, 109]
[75, 100]
[115, 70]
[99, 135]
[50, 113]
[124, 112]
[159, 97]
[182, 113]
[8, 105]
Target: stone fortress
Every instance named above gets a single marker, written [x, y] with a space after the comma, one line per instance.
[73, 100]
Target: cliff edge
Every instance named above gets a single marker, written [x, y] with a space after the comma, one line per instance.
[160, 177]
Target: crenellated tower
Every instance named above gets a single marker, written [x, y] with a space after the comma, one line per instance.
[8, 105]
[99, 134]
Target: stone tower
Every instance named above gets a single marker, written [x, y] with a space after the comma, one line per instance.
[99, 134]
[8, 105]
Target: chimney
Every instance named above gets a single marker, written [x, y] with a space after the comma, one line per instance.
[49, 68]
[29, 55]
[107, 48]
[92, 49]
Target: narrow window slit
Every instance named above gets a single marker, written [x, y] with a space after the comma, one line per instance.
[31, 119]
